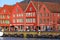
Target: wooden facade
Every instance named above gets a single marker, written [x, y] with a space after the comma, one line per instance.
[30, 16]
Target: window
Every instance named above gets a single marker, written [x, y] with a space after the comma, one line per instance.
[30, 8]
[34, 20]
[46, 14]
[20, 20]
[3, 21]
[54, 14]
[58, 14]
[17, 15]
[14, 20]
[8, 16]
[47, 20]
[33, 14]
[0, 21]
[44, 20]
[30, 14]
[40, 14]
[4, 10]
[17, 20]
[3, 16]
[7, 21]
[13, 15]
[0, 16]
[30, 20]
[21, 27]
[20, 14]
[40, 21]
[27, 14]
[17, 10]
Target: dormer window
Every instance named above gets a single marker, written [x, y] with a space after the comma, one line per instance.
[30, 8]
[4, 10]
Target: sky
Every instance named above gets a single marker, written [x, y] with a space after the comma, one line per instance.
[8, 2]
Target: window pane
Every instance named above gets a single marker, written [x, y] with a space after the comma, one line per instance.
[7, 21]
[34, 20]
[20, 20]
[30, 8]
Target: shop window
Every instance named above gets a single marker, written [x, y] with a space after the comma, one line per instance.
[33, 29]
[28, 28]
[54, 28]
[21, 27]
[0, 28]
[6, 29]
[43, 28]
[12, 28]
[39, 28]
[16, 29]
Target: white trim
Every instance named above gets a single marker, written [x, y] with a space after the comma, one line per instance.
[28, 6]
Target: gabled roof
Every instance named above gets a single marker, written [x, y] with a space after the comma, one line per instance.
[23, 5]
[53, 7]
[36, 4]
[9, 8]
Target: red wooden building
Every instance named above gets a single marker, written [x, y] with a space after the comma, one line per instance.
[43, 16]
